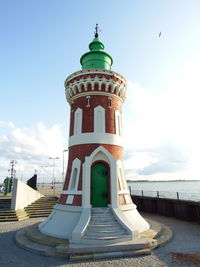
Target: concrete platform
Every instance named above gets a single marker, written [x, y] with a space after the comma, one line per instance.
[32, 239]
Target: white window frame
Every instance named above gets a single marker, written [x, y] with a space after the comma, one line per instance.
[118, 123]
[78, 120]
[121, 177]
[99, 126]
[75, 165]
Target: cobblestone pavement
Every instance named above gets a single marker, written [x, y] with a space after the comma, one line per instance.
[186, 239]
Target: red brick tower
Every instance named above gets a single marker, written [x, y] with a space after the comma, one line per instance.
[95, 180]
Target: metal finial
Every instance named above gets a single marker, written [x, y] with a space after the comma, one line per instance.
[96, 31]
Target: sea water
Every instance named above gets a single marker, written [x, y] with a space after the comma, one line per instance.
[189, 190]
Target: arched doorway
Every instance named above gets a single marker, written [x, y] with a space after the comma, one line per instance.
[99, 179]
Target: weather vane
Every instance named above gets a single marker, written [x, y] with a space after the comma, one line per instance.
[96, 31]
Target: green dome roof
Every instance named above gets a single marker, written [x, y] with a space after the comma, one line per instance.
[96, 58]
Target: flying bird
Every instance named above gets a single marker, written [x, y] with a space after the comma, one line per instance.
[159, 34]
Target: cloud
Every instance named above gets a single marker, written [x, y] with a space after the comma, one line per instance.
[161, 131]
[31, 147]
[165, 161]
[169, 158]
[7, 124]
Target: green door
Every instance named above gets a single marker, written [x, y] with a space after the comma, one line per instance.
[99, 185]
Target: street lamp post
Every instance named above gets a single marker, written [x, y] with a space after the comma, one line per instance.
[63, 172]
[43, 171]
[53, 172]
[12, 169]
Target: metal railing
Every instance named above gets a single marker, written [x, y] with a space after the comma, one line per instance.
[166, 194]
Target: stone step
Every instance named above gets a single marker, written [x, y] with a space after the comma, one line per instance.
[103, 221]
[33, 234]
[27, 244]
[104, 239]
[42, 204]
[45, 201]
[105, 216]
[101, 211]
[39, 208]
[22, 215]
[97, 234]
[39, 212]
[103, 227]
[33, 240]
[39, 215]
[9, 219]
[21, 218]
[107, 255]
[8, 216]
[7, 212]
[5, 207]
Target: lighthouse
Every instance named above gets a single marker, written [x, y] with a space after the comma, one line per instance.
[95, 206]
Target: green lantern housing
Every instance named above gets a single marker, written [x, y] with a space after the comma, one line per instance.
[96, 58]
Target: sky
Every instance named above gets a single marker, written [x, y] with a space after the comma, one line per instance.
[41, 43]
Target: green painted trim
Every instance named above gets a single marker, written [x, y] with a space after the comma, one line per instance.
[96, 58]
[99, 181]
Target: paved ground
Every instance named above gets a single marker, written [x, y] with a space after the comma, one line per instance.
[47, 190]
[186, 240]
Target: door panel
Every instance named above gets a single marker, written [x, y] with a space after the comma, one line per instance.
[99, 185]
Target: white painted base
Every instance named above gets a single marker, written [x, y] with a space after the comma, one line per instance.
[131, 220]
[61, 221]
[71, 222]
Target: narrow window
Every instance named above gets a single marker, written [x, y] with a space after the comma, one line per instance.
[88, 101]
[110, 102]
[73, 179]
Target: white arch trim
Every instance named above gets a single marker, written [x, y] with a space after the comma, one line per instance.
[87, 176]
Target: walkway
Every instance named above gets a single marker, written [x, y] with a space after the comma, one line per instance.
[186, 240]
